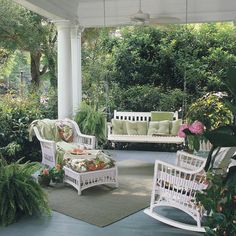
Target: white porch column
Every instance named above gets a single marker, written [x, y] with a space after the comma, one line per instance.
[76, 32]
[64, 69]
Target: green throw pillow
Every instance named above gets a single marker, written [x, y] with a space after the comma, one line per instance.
[174, 126]
[136, 127]
[164, 127]
[119, 126]
[161, 115]
[153, 127]
[159, 127]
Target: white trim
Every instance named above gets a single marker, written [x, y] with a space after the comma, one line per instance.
[76, 32]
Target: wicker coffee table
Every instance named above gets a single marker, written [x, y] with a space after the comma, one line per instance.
[87, 179]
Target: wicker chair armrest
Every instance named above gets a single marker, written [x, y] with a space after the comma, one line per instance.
[173, 177]
[164, 166]
[87, 140]
[189, 161]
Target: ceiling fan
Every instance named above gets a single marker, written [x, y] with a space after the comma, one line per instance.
[141, 17]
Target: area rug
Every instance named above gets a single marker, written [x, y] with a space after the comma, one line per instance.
[103, 205]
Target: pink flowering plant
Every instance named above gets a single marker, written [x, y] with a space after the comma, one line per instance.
[193, 134]
[44, 177]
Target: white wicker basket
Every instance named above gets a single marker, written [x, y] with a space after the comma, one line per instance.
[89, 179]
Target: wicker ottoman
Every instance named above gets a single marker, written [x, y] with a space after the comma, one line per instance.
[84, 180]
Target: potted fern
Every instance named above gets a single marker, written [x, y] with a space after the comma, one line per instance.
[92, 121]
[20, 194]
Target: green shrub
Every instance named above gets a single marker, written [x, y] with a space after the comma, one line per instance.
[210, 110]
[146, 98]
[15, 116]
[92, 121]
[49, 109]
[19, 193]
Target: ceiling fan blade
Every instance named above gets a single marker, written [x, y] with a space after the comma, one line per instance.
[140, 16]
[164, 20]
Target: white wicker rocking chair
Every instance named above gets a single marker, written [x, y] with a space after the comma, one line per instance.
[176, 186]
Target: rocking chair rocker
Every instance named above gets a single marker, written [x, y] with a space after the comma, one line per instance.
[176, 186]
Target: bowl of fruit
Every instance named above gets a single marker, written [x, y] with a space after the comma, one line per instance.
[78, 151]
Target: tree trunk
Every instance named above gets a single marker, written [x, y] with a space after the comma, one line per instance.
[35, 67]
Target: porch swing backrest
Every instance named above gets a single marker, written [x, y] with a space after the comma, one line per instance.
[137, 116]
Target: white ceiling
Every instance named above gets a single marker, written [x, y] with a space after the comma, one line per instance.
[90, 13]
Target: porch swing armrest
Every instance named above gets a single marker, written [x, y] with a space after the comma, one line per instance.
[109, 128]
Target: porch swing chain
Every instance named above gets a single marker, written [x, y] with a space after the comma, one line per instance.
[106, 86]
[185, 65]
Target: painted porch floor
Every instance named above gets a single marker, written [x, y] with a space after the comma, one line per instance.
[138, 224]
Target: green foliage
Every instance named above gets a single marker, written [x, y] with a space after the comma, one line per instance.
[230, 80]
[194, 59]
[17, 62]
[96, 67]
[223, 136]
[4, 55]
[15, 116]
[19, 193]
[49, 108]
[210, 110]
[149, 97]
[91, 121]
[163, 56]
[57, 174]
[21, 29]
[219, 200]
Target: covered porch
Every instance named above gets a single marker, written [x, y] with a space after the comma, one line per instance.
[71, 18]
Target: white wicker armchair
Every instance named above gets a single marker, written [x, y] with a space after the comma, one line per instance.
[49, 147]
[176, 185]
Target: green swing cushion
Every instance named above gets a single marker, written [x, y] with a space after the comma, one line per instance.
[174, 126]
[136, 127]
[119, 127]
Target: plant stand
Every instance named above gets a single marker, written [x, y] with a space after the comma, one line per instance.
[85, 180]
